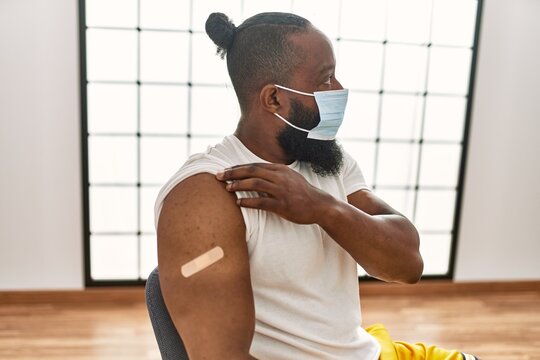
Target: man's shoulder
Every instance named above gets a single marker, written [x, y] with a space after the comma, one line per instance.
[222, 154]
[200, 169]
[200, 196]
[203, 188]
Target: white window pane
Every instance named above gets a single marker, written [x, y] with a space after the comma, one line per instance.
[113, 209]
[112, 108]
[323, 15]
[363, 19]
[161, 158]
[444, 118]
[113, 257]
[435, 250]
[449, 70]
[405, 68]
[209, 67]
[201, 144]
[252, 7]
[397, 164]
[164, 56]
[435, 210]
[401, 200]
[214, 111]
[440, 164]
[360, 117]
[446, 14]
[148, 255]
[119, 13]
[401, 116]
[203, 8]
[409, 21]
[165, 14]
[164, 109]
[148, 200]
[112, 159]
[364, 154]
[359, 65]
[111, 54]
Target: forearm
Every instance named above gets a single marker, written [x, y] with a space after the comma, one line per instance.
[386, 246]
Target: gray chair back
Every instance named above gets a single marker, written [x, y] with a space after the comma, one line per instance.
[169, 342]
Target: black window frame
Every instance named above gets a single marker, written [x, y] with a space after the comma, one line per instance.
[89, 282]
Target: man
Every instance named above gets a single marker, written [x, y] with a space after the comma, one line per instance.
[259, 237]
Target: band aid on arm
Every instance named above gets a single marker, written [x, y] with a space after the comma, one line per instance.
[202, 262]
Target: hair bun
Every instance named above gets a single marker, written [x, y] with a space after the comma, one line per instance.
[221, 30]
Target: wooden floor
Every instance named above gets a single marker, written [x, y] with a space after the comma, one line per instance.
[496, 322]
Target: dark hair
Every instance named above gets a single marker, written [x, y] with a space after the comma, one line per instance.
[258, 51]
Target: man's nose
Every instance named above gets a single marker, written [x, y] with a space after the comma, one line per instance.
[338, 85]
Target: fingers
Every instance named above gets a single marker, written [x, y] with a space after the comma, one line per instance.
[263, 203]
[253, 184]
[265, 178]
[259, 170]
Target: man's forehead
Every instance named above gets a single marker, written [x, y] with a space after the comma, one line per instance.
[317, 48]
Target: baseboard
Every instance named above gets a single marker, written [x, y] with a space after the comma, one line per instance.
[135, 294]
[446, 287]
[108, 294]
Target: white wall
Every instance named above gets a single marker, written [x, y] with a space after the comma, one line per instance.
[40, 181]
[500, 226]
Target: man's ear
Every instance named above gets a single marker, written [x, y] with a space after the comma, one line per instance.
[271, 100]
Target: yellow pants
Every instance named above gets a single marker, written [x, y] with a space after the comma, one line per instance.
[397, 350]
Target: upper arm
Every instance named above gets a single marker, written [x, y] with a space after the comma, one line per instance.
[396, 227]
[213, 310]
[370, 203]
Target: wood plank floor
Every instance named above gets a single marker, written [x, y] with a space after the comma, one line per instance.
[113, 323]
[490, 325]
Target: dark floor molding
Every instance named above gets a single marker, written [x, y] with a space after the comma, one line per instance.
[121, 295]
[447, 287]
[135, 294]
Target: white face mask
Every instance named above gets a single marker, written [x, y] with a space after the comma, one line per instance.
[331, 106]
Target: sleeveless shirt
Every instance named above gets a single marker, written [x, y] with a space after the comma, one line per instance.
[305, 285]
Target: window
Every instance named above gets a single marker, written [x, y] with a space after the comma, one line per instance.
[151, 84]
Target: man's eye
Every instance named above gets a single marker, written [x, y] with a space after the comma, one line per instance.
[329, 81]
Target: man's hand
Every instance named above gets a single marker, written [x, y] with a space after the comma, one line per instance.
[281, 190]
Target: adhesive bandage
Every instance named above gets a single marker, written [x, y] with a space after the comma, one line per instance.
[202, 262]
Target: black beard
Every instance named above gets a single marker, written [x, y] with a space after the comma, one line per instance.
[324, 156]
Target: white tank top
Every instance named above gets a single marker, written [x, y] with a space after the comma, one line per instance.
[305, 286]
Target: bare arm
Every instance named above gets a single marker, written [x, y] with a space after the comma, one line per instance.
[213, 310]
[380, 239]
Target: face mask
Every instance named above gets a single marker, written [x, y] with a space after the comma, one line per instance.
[331, 106]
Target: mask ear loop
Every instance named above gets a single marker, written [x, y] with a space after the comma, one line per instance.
[292, 125]
[294, 91]
[281, 117]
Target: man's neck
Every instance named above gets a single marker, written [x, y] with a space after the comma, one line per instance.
[261, 141]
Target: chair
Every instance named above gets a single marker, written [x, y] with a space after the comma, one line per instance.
[169, 342]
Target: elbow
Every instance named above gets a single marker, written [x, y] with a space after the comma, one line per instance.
[417, 263]
[415, 271]
[408, 273]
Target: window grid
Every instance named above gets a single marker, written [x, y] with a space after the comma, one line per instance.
[189, 135]
[138, 136]
[422, 119]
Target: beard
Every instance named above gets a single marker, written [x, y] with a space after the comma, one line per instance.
[324, 156]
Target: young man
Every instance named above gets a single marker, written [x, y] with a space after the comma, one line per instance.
[259, 237]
